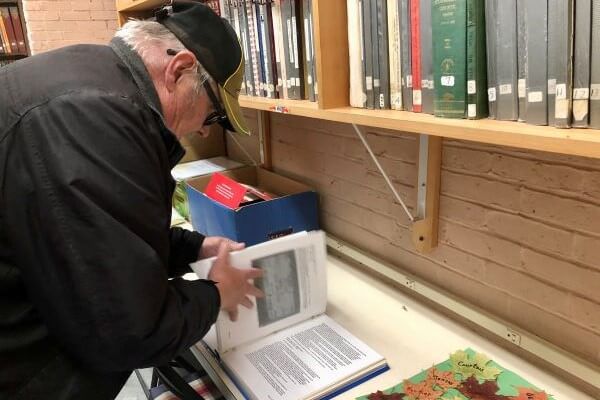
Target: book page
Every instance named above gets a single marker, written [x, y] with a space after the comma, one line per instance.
[294, 283]
[203, 167]
[309, 360]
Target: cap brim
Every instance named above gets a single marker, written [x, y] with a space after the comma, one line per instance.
[234, 112]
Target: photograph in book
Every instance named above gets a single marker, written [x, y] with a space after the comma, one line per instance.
[286, 347]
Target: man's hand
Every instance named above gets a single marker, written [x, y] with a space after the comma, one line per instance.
[211, 244]
[233, 283]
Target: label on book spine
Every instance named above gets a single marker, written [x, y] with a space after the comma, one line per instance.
[581, 93]
[472, 87]
[561, 91]
[551, 86]
[595, 91]
[492, 94]
[417, 97]
[472, 110]
[522, 88]
[506, 89]
[535, 97]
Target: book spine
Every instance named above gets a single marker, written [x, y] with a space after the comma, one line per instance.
[4, 27]
[375, 54]
[313, 53]
[384, 61]
[238, 9]
[506, 60]
[261, 49]
[234, 21]
[536, 20]
[225, 12]
[355, 52]
[415, 42]
[248, 6]
[521, 59]
[581, 63]
[406, 55]
[491, 17]
[393, 24]
[271, 48]
[18, 29]
[426, 37]
[477, 102]
[562, 60]
[287, 55]
[368, 53]
[276, 21]
[310, 88]
[297, 38]
[449, 55]
[595, 68]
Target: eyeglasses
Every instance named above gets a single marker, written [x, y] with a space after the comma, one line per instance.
[219, 115]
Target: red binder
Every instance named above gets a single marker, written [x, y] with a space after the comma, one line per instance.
[415, 28]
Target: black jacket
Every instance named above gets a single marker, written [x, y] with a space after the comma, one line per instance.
[85, 245]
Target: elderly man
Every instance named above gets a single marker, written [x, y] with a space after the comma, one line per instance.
[88, 136]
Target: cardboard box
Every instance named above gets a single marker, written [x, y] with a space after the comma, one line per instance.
[193, 169]
[295, 210]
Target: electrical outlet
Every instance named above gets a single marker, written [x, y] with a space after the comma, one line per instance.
[513, 336]
[409, 283]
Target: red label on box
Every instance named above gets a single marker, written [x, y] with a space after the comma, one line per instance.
[225, 191]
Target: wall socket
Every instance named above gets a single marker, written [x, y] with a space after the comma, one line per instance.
[513, 336]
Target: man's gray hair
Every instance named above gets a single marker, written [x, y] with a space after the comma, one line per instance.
[146, 36]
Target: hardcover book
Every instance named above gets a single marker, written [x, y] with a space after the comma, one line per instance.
[286, 347]
[449, 58]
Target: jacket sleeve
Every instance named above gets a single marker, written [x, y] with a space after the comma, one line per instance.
[89, 221]
[185, 248]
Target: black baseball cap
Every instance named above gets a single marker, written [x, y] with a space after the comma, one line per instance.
[216, 46]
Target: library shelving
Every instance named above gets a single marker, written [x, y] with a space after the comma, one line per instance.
[332, 60]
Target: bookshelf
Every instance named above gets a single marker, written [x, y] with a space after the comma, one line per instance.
[331, 53]
[16, 56]
[331, 47]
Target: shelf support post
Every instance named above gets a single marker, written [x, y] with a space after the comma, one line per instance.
[264, 138]
[425, 228]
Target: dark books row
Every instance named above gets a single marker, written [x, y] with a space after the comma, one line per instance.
[536, 61]
[278, 44]
[12, 34]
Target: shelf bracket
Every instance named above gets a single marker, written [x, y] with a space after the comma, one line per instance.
[425, 228]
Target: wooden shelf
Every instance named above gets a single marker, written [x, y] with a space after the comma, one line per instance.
[139, 5]
[12, 56]
[580, 142]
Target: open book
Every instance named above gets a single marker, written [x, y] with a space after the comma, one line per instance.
[286, 347]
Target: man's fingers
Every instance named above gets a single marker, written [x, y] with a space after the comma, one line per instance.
[223, 253]
[256, 292]
[246, 302]
[252, 273]
[235, 246]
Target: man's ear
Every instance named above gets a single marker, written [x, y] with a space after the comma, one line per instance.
[181, 62]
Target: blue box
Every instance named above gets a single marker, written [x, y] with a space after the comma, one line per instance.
[295, 210]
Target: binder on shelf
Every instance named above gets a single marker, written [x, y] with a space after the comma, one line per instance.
[492, 76]
[581, 63]
[521, 59]
[427, 81]
[538, 85]
[355, 51]
[394, 50]
[477, 102]
[560, 59]
[375, 51]
[415, 29]
[406, 55]
[384, 61]
[595, 68]
[505, 28]
[368, 52]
